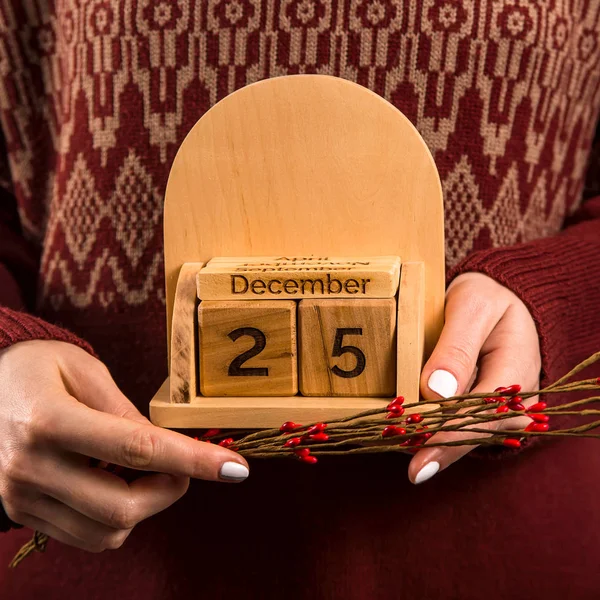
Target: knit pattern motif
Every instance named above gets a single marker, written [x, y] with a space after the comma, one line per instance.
[96, 97]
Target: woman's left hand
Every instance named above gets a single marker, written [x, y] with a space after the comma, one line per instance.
[489, 340]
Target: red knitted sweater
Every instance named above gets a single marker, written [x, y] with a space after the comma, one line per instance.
[95, 98]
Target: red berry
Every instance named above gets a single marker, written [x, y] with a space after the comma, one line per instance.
[538, 427]
[502, 409]
[398, 401]
[490, 400]
[511, 443]
[417, 440]
[211, 433]
[226, 442]
[422, 437]
[515, 406]
[416, 418]
[317, 428]
[512, 389]
[538, 407]
[292, 442]
[500, 389]
[540, 418]
[289, 426]
[396, 409]
[389, 431]
[311, 460]
[196, 438]
[302, 452]
[319, 437]
[392, 430]
[392, 415]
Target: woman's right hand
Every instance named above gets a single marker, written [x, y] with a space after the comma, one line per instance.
[59, 407]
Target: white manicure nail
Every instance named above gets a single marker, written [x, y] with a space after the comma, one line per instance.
[233, 471]
[443, 383]
[427, 472]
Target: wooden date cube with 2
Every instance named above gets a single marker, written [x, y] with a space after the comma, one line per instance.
[248, 348]
[347, 347]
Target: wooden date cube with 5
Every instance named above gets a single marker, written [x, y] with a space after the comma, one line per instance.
[247, 348]
[347, 347]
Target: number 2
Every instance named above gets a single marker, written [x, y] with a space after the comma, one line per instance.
[339, 350]
[235, 368]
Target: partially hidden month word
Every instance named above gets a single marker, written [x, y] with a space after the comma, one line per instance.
[288, 277]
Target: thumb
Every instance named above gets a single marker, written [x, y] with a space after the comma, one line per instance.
[89, 381]
[469, 322]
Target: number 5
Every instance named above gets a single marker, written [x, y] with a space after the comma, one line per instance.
[339, 350]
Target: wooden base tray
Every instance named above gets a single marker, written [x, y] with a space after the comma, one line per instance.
[257, 413]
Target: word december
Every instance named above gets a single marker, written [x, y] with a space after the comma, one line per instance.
[240, 284]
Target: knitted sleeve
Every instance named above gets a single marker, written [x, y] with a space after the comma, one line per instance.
[558, 278]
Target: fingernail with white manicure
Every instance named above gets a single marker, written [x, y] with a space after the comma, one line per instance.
[427, 472]
[232, 471]
[443, 383]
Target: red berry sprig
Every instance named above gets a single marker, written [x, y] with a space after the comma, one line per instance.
[315, 433]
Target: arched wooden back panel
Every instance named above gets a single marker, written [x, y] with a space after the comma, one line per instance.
[306, 165]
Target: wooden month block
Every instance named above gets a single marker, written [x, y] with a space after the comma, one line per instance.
[289, 260]
[299, 277]
[347, 347]
[248, 348]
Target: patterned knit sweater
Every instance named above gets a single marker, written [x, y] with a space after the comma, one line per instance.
[96, 97]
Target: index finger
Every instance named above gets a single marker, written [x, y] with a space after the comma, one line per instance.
[137, 445]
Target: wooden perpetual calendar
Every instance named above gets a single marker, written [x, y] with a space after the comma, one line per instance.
[304, 256]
